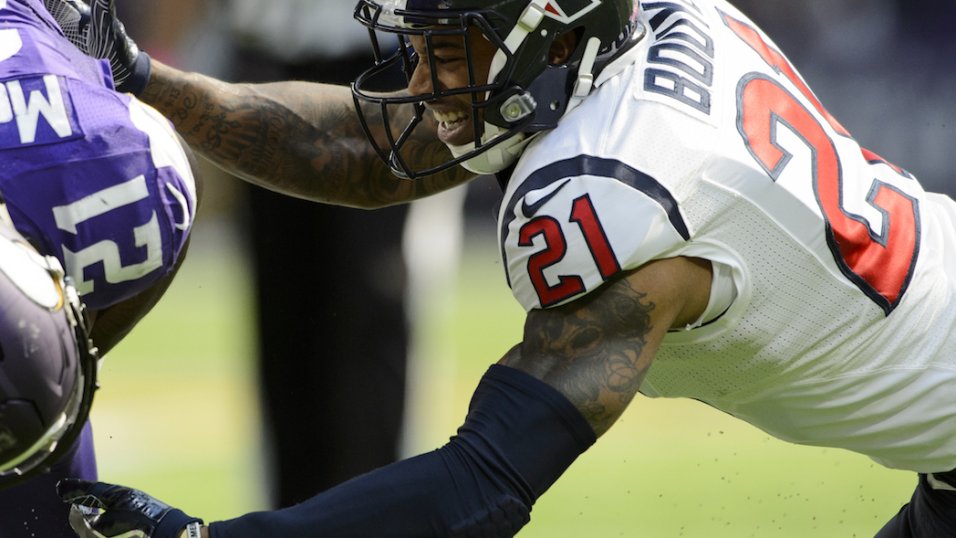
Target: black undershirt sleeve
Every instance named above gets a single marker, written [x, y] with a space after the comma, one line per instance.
[519, 436]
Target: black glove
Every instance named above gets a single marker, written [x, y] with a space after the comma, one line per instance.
[96, 31]
[101, 510]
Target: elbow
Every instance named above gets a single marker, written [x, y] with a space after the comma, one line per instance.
[503, 519]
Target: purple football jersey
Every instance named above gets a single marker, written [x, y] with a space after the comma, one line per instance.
[96, 178]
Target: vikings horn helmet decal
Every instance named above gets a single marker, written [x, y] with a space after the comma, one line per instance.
[520, 95]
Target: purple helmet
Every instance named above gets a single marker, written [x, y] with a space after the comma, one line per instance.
[47, 361]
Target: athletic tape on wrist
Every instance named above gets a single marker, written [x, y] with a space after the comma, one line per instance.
[193, 530]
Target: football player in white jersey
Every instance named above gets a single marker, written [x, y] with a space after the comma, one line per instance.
[681, 217]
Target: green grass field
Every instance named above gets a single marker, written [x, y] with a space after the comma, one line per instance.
[177, 417]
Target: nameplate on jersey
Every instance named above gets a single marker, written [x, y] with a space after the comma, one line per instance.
[36, 110]
[680, 61]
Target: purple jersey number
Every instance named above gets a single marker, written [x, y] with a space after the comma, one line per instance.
[93, 177]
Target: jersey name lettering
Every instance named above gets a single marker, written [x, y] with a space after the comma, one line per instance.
[35, 110]
[681, 62]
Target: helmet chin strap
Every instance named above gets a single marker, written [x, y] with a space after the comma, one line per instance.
[504, 153]
[585, 80]
[494, 159]
[528, 22]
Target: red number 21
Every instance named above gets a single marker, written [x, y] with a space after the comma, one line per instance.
[584, 215]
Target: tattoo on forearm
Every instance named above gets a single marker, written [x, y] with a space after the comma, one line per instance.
[591, 350]
[290, 139]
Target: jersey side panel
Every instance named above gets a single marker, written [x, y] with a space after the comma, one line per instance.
[820, 348]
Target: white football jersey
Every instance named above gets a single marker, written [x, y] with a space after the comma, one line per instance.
[840, 326]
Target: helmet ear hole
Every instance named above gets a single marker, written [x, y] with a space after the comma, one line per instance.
[563, 47]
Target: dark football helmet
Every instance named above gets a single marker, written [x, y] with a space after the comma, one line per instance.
[524, 93]
[47, 361]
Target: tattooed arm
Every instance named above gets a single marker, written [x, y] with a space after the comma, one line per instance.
[298, 138]
[597, 350]
[520, 435]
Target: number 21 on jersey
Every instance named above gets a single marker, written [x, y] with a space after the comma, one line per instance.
[584, 215]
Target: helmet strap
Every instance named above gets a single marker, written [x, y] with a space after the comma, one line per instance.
[528, 22]
[494, 159]
[585, 78]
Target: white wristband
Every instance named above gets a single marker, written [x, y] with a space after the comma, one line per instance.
[193, 530]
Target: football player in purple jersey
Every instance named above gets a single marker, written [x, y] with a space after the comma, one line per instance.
[681, 217]
[102, 183]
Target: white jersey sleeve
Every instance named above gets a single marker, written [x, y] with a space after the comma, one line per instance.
[558, 244]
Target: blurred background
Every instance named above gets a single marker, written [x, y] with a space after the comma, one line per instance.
[208, 403]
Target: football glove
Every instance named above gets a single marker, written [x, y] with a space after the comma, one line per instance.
[101, 510]
[96, 31]
[73, 16]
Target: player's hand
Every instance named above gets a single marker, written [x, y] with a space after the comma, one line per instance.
[96, 31]
[101, 510]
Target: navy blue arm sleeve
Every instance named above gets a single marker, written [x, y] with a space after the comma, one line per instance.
[519, 436]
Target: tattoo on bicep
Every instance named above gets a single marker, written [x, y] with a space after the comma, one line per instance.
[592, 350]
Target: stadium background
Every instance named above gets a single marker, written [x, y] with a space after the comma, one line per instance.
[177, 413]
